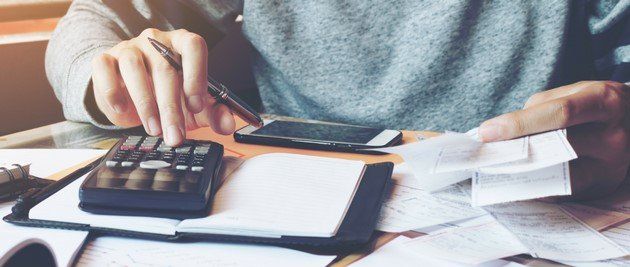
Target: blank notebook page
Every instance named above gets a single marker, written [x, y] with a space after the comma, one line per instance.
[282, 194]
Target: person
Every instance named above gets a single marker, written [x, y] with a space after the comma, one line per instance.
[423, 65]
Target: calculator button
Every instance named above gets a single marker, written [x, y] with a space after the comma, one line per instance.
[181, 167]
[127, 147]
[182, 150]
[154, 164]
[201, 150]
[111, 163]
[147, 147]
[164, 148]
[127, 163]
[196, 168]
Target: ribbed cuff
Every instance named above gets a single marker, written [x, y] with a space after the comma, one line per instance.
[78, 81]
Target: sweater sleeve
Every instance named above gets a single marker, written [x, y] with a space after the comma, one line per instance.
[609, 25]
[92, 26]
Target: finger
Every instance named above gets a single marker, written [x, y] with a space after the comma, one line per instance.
[134, 73]
[109, 91]
[597, 141]
[555, 93]
[189, 117]
[221, 119]
[194, 57]
[591, 178]
[582, 107]
[167, 89]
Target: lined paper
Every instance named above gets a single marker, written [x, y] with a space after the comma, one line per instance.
[282, 194]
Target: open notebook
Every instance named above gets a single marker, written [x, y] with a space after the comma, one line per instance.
[269, 196]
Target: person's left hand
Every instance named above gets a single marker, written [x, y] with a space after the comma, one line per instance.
[597, 117]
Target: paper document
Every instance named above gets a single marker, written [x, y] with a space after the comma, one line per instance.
[46, 162]
[407, 207]
[524, 168]
[476, 221]
[283, 194]
[500, 188]
[468, 245]
[621, 236]
[63, 243]
[599, 219]
[550, 232]
[421, 157]
[118, 251]
[395, 253]
[545, 149]
[469, 157]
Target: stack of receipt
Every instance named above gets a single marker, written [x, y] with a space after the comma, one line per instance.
[525, 168]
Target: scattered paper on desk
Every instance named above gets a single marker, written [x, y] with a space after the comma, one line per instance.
[476, 221]
[395, 253]
[46, 162]
[500, 188]
[550, 232]
[408, 207]
[119, 251]
[599, 219]
[621, 236]
[468, 245]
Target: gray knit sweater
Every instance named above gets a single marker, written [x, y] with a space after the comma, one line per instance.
[436, 65]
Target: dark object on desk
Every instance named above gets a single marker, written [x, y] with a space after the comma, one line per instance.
[215, 88]
[19, 182]
[319, 136]
[142, 176]
[35, 254]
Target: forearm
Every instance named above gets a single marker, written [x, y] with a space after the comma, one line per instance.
[88, 29]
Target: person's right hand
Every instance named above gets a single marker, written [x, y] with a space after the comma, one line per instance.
[133, 84]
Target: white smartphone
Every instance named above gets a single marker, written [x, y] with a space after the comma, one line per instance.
[337, 137]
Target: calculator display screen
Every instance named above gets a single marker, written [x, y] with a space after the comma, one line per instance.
[321, 132]
[145, 180]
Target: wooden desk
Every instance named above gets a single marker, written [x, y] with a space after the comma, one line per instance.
[76, 135]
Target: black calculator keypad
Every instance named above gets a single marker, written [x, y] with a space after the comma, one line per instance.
[153, 153]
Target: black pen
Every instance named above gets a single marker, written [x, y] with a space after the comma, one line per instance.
[35, 195]
[215, 88]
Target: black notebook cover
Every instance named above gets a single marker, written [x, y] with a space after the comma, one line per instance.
[355, 230]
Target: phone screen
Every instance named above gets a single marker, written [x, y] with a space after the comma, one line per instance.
[321, 132]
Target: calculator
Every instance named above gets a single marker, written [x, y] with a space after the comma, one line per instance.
[142, 176]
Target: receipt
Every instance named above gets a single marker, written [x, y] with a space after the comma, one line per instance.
[621, 236]
[469, 245]
[422, 156]
[599, 219]
[550, 232]
[500, 188]
[545, 149]
[469, 157]
[408, 207]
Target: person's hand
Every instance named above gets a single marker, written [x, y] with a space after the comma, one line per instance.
[133, 84]
[597, 117]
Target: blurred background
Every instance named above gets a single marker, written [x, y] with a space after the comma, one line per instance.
[26, 98]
